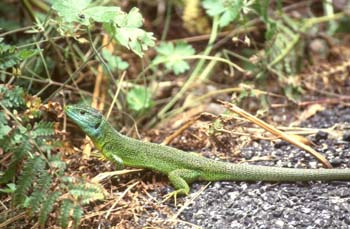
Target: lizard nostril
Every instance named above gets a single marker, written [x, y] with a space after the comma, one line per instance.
[96, 125]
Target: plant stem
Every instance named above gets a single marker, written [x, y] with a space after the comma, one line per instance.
[309, 23]
[167, 20]
[196, 72]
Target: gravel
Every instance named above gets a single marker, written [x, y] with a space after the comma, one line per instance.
[280, 205]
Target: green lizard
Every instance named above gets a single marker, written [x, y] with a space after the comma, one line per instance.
[181, 167]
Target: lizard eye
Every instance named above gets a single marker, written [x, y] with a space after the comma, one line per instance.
[82, 112]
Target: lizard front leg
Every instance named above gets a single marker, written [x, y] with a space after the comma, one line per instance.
[110, 155]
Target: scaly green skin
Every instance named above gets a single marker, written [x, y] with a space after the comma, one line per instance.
[181, 167]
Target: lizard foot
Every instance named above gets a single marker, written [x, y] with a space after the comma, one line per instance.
[174, 194]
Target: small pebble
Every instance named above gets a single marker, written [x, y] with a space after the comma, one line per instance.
[336, 162]
[280, 204]
[346, 136]
[321, 135]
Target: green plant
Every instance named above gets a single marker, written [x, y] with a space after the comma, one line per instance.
[222, 12]
[227, 11]
[11, 56]
[123, 27]
[139, 99]
[172, 56]
[34, 174]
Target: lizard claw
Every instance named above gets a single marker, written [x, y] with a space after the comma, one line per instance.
[170, 195]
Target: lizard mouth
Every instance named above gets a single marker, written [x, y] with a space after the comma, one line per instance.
[73, 115]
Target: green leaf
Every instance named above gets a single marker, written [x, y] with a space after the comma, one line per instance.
[12, 98]
[43, 128]
[11, 188]
[213, 7]
[228, 16]
[3, 119]
[114, 62]
[139, 98]
[65, 209]
[25, 180]
[11, 56]
[124, 27]
[56, 163]
[172, 56]
[227, 11]
[47, 207]
[40, 190]
[127, 32]
[271, 30]
[77, 213]
[86, 193]
[71, 10]
[79, 11]
[103, 14]
[4, 130]
[132, 19]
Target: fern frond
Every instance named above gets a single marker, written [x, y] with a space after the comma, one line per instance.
[18, 143]
[26, 179]
[57, 163]
[11, 98]
[40, 190]
[42, 129]
[22, 147]
[77, 213]
[68, 179]
[86, 193]
[47, 207]
[65, 209]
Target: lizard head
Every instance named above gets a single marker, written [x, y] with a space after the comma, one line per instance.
[87, 118]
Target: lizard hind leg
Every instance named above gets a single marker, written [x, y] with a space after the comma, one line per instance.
[180, 178]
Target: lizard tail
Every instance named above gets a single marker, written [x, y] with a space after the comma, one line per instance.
[245, 172]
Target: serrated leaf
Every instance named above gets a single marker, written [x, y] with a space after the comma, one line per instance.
[57, 163]
[213, 7]
[71, 10]
[43, 128]
[131, 19]
[127, 32]
[87, 192]
[77, 213]
[172, 56]
[47, 207]
[25, 180]
[103, 14]
[228, 16]
[227, 11]
[40, 190]
[79, 11]
[124, 27]
[65, 209]
[139, 98]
